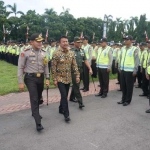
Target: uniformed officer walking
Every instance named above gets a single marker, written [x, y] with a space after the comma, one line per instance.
[80, 57]
[33, 63]
[104, 63]
[63, 62]
[129, 66]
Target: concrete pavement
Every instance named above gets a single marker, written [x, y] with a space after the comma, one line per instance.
[101, 125]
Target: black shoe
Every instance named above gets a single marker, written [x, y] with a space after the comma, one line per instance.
[85, 90]
[104, 96]
[73, 100]
[147, 111]
[121, 102]
[81, 105]
[119, 90]
[39, 127]
[99, 94]
[61, 111]
[41, 102]
[143, 94]
[125, 104]
[82, 88]
[67, 119]
[118, 83]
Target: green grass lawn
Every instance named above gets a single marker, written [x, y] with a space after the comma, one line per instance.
[9, 81]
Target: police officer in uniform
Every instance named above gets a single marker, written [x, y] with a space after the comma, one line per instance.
[143, 63]
[104, 63]
[63, 62]
[129, 67]
[88, 53]
[33, 63]
[80, 57]
[148, 71]
[93, 63]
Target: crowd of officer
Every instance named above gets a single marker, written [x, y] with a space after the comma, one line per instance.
[78, 61]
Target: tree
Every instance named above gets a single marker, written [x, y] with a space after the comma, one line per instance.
[50, 11]
[65, 11]
[14, 9]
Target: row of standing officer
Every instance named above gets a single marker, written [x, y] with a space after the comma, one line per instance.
[10, 52]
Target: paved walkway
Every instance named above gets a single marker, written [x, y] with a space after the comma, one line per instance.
[101, 125]
[19, 101]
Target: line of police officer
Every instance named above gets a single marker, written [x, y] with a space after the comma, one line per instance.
[125, 59]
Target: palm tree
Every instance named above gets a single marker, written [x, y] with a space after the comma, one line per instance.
[14, 9]
[65, 11]
[107, 21]
[50, 11]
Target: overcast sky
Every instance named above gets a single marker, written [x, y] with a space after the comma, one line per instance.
[88, 8]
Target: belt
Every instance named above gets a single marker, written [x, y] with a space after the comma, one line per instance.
[35, 74]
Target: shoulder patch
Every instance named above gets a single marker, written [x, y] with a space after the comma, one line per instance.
[27, 49]
[43, 50]
[22, 54]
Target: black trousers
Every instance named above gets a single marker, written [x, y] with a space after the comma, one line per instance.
[49, 66]
[75, 91]
[35, 87]
[94, 69]
[149, 89]
[139, 77]
[64, 89]
[104, 80]
[127, 82]
[85, 77]
[144, 82]
[114, 69]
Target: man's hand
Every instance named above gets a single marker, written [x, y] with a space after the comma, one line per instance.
[47, 83]
[90, 71]
[77, 80]
[108, 70]
[147, 76]
[55, 83]
[21, 86]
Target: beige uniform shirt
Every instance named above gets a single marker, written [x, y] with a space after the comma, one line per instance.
[32, 61]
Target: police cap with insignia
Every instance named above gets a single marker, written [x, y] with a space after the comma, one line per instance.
[52, 40]
[45, 43]
[93, 42]
[103, 40]
[77, 39]
[143, 44]
[36, 37]
[85, 37]
[128, 37]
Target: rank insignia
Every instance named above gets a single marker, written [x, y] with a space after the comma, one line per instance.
[45, 61]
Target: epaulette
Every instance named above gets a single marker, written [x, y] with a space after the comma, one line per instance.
[27, 49]
[43, 50]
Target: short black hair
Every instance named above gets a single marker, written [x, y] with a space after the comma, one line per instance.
[63, 37]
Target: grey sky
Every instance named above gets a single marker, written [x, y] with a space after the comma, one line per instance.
[88, 8]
